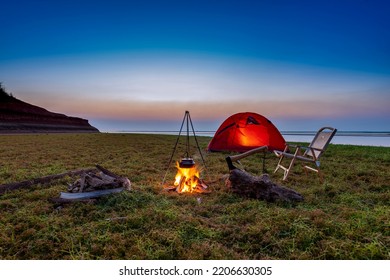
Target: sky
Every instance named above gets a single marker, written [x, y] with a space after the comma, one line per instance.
[139, 65]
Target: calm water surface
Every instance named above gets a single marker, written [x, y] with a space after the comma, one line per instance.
[362, 138]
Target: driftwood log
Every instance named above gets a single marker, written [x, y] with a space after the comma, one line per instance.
[259, 187]
[41, 180]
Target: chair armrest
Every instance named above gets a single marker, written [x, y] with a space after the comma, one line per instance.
[295, 147]
[316, 149]
[305, 147]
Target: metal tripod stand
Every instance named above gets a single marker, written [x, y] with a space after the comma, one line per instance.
[187, 161]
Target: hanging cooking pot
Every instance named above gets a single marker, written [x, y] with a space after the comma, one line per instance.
[186, 163]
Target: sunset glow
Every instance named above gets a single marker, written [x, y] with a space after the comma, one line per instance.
[152, 62]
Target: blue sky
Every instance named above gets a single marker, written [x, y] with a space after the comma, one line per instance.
[129, 64]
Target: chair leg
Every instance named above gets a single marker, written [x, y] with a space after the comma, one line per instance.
[287, 170]
[279, 164]
[320, 175]
[304, 168]
[317, 170]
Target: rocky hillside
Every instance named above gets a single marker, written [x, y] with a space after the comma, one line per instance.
[17, 116]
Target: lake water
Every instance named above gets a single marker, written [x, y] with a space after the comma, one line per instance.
[347, 138]
[362, 138]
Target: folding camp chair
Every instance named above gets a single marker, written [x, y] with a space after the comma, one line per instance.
[310, 154]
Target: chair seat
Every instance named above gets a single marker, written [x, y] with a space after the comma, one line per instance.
[288, 155]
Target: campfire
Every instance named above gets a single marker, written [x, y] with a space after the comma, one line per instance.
[187, 180]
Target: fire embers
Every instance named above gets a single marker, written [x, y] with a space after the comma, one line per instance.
[187, 181]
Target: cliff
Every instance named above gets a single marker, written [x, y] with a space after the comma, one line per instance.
[17, 116]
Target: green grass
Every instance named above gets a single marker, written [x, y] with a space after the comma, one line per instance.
[345, 217]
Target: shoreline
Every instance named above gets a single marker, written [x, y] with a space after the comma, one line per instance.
[355, 138]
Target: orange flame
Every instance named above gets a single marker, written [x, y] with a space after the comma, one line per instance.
[186, 179]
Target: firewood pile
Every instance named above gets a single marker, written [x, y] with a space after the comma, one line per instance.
[100, 179]
[200, 186]
[91, 180]
[94, 183]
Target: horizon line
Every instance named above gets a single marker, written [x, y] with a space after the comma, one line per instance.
[283, 132]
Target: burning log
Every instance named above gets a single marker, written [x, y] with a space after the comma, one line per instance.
[259, 187]
[201, 187]
[181, 184]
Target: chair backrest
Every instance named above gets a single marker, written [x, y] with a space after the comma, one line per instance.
[321, 141]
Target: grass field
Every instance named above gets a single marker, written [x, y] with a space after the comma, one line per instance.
[345, 217]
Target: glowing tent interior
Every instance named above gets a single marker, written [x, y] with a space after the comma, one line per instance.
[245, 131]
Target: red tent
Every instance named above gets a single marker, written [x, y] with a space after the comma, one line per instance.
[244, 131]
